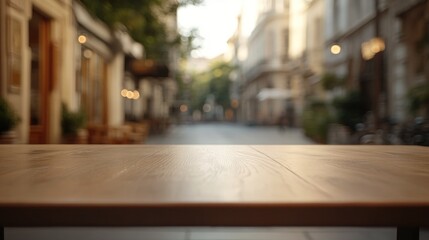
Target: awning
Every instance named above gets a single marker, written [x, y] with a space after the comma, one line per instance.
[274, 93]
[149, 68]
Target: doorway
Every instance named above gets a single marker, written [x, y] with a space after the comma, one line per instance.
[39, 40]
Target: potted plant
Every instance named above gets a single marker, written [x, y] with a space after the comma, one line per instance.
[316, 118]
[350, 109]
[8, 121]
[72, 124]
[418, 99]
[330, 81]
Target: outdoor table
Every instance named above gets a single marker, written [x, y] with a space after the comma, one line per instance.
[215, 185]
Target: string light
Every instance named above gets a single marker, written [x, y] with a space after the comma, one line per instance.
[335, 49]
[81, 39]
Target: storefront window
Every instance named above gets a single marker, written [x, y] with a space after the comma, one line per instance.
[91, 86]
[14, 53]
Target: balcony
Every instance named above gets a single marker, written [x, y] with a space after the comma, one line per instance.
[256, 71]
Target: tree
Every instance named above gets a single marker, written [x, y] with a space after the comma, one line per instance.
[143, 20]
[215, 82]
[220, 83]
[199, 90]
[188, 43]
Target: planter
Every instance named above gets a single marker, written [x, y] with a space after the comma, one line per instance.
[8, 137]
[8, 121]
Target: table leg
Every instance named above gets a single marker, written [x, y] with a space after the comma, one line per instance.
[407, 233]
[1, 233]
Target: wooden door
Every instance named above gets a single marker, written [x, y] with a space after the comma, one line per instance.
[41, 69]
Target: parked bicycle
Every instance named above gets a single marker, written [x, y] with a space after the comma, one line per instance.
[388, 134]
[416, 132]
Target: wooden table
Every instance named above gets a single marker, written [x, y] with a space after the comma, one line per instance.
[199, 185]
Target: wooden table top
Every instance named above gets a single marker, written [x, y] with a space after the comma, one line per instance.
[213, 185]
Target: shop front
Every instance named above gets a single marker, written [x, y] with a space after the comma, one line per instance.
[33, 49]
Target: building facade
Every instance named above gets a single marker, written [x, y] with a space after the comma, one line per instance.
[362, 31]
[102, 88]
[36, 45]
[53, 52]
[313, 62]
[156, 80]
[272, 86]
[383, 50]
[236, 46]
[411, 55]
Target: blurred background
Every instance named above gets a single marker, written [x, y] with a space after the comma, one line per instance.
[214, 71]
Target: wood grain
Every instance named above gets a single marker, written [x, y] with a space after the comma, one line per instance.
[385, 174]
[214, 185]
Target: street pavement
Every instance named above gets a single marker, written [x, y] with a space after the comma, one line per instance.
[229, 133]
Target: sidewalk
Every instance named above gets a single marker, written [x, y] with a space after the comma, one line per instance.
[229, 133]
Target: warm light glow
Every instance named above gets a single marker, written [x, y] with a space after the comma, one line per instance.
[81, 39]
[229, 114]
[336, 49]
[234, 103]
[366, 52]
[124, 92]
[87, 53]
[372, 47]
[136, 95]
[183, 108]
[130, 94]
[380, 44]
[375, 48]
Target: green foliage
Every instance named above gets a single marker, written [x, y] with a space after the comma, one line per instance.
[199, 91]
[8, 117]
[188, 44]
[71, 122]
[418, 97]
[214, 82]
[331, 81]
[316, 118]
[350, 109]
[143, 19]
[180, 84]
[220, 83]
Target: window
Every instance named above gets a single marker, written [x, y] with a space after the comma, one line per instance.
[270, 45]
[91, 86]
[14, 53]
[285, 44]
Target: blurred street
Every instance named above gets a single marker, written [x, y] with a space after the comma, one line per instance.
[229, 133]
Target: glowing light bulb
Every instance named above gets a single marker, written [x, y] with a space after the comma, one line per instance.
[335, 49]
[81, 39]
